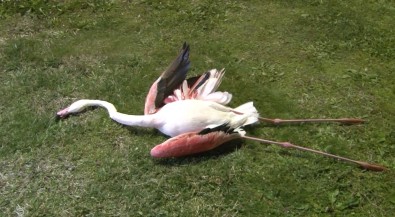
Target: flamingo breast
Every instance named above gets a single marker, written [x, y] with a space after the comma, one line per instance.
[190, 116]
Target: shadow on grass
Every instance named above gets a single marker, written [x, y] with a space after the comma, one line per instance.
[139, 131]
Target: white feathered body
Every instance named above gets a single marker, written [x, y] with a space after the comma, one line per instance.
[195, 115]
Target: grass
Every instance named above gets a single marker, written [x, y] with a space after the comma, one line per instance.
[292, 58]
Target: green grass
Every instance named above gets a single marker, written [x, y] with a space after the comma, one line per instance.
[294, 59]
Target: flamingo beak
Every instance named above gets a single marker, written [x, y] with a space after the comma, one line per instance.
[62, 114]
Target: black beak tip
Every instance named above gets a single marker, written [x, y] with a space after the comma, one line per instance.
[59, 117]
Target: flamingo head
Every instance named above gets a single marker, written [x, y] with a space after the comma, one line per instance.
[62, 113]
[73, 108]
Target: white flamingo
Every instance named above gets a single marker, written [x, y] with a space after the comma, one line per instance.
[195, 114]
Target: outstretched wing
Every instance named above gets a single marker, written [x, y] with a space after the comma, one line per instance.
[170, 79]
[195, 142]
[172, 85]
[203, 87]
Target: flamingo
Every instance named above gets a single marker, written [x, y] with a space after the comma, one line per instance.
[196, 116]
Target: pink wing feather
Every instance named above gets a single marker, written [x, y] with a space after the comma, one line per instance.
[191, 143]
[169, 80]
[172, 85]
[204, 88]
[196, 142]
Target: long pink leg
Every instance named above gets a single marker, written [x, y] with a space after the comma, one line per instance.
[365, 165]
[277, 121]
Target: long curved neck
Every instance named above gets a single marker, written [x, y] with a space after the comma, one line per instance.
[131, 120]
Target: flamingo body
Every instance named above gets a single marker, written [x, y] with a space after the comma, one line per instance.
[195, 115]
[179, 117]
[193, 112]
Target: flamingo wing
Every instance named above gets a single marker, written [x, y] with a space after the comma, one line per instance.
[172, 85]
[203, 87]
[196, 142]
[170, 79]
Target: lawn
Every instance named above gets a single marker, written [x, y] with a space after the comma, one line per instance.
[294, 59]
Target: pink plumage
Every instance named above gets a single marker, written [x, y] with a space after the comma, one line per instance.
[191, 143]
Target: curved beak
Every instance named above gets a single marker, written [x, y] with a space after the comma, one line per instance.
[62, 114]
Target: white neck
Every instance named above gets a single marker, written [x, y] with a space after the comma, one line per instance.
[131, 120]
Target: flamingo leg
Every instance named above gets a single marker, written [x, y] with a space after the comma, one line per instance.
[364, 165]
[277, 121]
